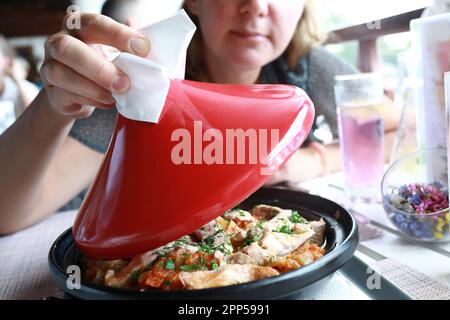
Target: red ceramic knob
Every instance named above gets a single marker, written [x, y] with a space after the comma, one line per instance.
[161, 181]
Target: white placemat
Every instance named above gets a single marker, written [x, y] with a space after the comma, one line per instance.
[416, 284]
[24, 270]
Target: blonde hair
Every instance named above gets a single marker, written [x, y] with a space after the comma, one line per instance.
[307, 35]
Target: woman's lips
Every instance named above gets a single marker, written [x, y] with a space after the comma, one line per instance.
[250, 36]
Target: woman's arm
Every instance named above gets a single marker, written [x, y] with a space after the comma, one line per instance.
[41, 167]
[306, 164]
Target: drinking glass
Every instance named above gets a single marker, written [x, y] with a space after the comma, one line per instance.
[359, 100]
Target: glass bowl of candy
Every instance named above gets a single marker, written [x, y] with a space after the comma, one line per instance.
[415, 195]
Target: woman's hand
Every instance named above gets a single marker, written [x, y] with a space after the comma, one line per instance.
[75, 76]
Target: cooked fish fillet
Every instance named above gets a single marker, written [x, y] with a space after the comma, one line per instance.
[225, 275]
[251, 254]
[215, 237]
[280, 244]
[302, 255]
[122, 278]
[238, 215]
[280, 220]
[271, 245]
[319, 231]
[140, 262]
[318, 228]
[265, 212]
[207, 230]
[235, 232]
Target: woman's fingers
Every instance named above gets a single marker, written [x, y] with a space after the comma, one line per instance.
[76, 77]
[96, 28]
[54, 73]
[79, 57]
[72, 104]
[73, 50]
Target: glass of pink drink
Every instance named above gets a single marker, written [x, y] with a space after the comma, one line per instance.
[361, 130]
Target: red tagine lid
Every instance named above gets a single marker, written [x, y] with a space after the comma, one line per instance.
[213, 146]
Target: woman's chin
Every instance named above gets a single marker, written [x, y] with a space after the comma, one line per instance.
[250, 61]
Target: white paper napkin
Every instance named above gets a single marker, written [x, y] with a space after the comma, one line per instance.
[150, 76]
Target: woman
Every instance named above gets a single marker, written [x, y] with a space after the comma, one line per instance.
[49, 166]
[16, 93]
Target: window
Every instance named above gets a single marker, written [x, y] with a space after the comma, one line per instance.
[343, 13]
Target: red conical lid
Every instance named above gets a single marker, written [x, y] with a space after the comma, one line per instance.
[161, 181]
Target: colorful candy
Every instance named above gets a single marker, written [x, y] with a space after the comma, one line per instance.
[420, 210]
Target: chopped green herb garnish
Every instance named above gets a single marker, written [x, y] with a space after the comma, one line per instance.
[180, 242]
[284, 229]
[170, 265]
[203, 263]
[189, 267]
[167, 282]
[247, 242]
[214, 266]
[260, 224]
[297, 218]
[242, 213]
[150, 266]
[135, 275]
[208, 247]
[118, 268]
[209, 240]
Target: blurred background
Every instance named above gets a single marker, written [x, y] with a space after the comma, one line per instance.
[26, 24]
[392, 47]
